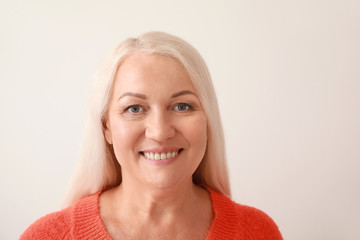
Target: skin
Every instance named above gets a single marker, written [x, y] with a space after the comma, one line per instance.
[155, 107]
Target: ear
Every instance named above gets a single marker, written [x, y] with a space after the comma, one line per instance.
[107, 131]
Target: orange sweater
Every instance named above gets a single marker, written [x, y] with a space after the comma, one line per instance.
[82, 221]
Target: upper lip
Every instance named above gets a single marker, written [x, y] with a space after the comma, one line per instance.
[161, 149]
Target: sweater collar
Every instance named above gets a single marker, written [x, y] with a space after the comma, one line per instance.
[225, 222]
[88, 223]
[87, 219]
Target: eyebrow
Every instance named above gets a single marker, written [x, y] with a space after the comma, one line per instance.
[132, 94]
[183, 93]
[142, 96]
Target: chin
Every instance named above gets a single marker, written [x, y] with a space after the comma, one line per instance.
[168, 182]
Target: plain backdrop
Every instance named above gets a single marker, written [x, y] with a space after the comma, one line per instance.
[287, 77]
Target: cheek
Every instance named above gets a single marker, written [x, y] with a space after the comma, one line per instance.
[197, 133]
[124, 136]
[197, 137]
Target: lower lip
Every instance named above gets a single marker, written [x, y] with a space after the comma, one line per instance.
[162, 162]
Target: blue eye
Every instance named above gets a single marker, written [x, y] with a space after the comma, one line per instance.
[182, 107]
[134, 109]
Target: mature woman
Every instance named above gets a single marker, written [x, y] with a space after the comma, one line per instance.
[153, 165]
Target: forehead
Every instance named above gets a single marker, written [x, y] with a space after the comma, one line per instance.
[151, 70]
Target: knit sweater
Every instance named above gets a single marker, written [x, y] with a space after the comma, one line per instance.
[82, 221]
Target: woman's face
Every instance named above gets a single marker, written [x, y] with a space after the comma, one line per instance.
[155, 121]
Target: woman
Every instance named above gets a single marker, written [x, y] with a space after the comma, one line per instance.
[153, 165]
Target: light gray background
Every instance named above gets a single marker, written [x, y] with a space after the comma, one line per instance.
[287, 76]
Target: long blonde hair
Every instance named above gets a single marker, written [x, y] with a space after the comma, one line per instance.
[98, 168]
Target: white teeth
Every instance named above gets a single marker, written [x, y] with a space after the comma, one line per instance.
[160, 156]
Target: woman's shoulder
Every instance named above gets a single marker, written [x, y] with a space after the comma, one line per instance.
[258, 222]
[53, 225]
[61, 224]
[243, 220]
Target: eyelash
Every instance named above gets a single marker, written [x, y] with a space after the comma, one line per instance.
[128, 109]
[188, 107]
[141, 108]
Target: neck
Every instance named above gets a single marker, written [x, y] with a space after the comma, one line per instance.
[180, 212]
[156, 203]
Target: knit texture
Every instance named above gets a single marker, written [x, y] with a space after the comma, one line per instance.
[82, 221]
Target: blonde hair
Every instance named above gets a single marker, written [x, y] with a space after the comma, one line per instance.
[98, 168]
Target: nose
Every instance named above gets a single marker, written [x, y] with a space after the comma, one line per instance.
[159, 127]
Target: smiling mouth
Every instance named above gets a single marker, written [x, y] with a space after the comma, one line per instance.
[157, 156]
